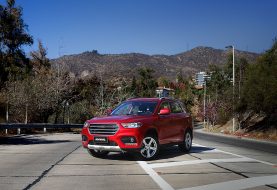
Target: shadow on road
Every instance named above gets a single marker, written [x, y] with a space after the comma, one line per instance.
[165, 153]
[27, 140]
[200, 149]
[175, 152]
[121, 156]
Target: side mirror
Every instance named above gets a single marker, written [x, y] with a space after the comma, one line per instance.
[109, 111]
[164, 111]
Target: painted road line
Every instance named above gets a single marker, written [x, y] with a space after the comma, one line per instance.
[237, 155]
[263, 162]
[199, 145]
[190, 162]
[158, 179]
[238, 184]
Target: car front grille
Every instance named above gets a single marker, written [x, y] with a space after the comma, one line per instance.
[103, 129]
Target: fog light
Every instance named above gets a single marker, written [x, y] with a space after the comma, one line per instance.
[128, 140]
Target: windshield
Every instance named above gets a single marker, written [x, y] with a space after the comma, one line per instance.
[135, 108]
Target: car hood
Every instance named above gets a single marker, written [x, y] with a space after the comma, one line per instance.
[118, 119]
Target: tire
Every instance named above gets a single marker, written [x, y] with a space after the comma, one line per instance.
[97, 153]
[150, 147]
[186, 144]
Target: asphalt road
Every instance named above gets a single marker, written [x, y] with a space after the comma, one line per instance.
[58, 161]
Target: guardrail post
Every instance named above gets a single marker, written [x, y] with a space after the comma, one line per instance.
[6, 131]
[18, 131]
[44, 130]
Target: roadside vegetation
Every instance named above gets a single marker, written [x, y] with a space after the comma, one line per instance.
[254, 101]
[33, 90]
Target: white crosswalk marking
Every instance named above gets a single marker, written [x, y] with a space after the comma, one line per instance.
[190, 162]
[229, 185]
[238, 184]
[158, 179]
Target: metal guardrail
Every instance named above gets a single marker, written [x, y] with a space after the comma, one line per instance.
[38, 125]
[44, 126]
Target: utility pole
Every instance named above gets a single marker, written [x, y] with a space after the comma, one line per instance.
[233, 48]
[7, 116]
[205, 88]
[233, 88]
[68, 112]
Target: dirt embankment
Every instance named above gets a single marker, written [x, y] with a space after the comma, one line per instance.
[250, 125]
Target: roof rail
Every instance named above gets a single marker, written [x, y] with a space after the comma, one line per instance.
[130, 98]
[133, 98]
[169, 98]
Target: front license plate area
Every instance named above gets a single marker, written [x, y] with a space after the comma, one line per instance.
[101, 140]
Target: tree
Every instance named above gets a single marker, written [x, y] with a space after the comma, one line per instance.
[40, 94]
[218, 95]
[241, 72]
[40, 62]
[184, 92]
[219, 82]
[180, 77]
[147, 84]
[13, 35]
[134, 87]
[259, 89]
[163, 82]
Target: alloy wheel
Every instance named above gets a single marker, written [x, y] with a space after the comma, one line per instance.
[149, 147]
[188, 141]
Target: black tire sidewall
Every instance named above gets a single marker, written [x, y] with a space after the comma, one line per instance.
[182, 146]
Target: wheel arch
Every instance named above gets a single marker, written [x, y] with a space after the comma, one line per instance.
[152, 131]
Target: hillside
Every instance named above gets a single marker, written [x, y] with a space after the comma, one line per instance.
[126, 65]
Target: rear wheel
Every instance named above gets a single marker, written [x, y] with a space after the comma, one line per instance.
[150, 147]
[97, 153]
[186, 145]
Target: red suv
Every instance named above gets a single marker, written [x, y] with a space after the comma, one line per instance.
[139, 125]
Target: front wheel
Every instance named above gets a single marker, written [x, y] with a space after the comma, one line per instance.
[150, 148]
[97, 153]
[186, 145]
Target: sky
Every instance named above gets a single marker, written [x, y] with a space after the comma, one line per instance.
[149, 26]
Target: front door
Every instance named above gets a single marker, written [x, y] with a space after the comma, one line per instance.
[166, 125]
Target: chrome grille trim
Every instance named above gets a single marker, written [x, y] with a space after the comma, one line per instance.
[103, 129]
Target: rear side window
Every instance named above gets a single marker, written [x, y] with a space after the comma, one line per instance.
[164, 105]
[175, 107]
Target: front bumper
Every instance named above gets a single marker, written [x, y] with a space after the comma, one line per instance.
[115, 142]
[105, 148]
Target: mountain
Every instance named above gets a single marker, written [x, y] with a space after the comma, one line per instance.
[126, 65]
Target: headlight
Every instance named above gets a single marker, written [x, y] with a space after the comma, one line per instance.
[86, 125]
[131, 125]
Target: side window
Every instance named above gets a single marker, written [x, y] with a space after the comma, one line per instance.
[164, 105]
[175, 107]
